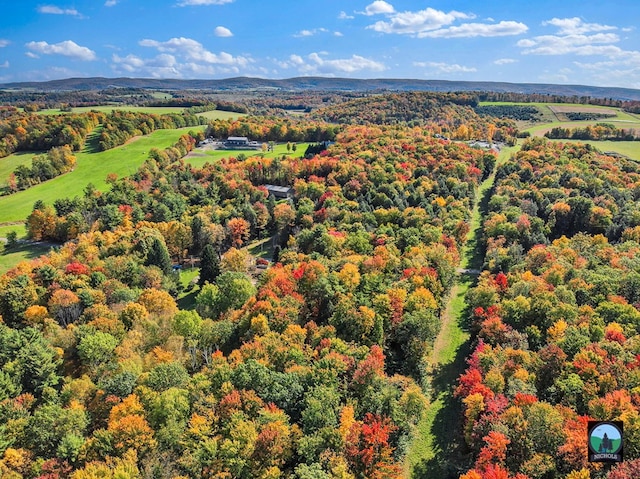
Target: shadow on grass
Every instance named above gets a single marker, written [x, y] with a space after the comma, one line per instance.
[92, 143]
[188, 301]
[27, 250]
[262, 248]
[12, 255]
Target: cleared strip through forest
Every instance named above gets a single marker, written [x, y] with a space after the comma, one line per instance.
[436, 451]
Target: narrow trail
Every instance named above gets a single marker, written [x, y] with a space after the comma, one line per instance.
[436, 451]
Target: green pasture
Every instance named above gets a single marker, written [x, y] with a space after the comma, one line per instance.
[8, 164]
[19, 228]
[161, 95]
[90, 168]
[199, 157]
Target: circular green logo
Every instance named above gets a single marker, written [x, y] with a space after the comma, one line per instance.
[605, 439]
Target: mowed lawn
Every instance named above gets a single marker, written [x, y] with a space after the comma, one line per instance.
[90, 168]
[199, 157]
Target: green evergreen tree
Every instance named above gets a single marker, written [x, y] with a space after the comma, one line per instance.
[209, 265]
[197, 226]
[159, 256]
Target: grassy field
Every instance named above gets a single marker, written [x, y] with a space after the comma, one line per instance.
[9, 163]
[200, 157]
[90, 168]
[19, 228]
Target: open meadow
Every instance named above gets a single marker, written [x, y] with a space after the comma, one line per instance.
[90, 168]
[8, 164]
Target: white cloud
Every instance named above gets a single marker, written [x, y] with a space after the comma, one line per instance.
[193, 51]
[5, 64]
[54, 10]
[573, 37]
[617, 66]
[181, 58]
[469, 30]
[338, 34]
[441, 67]
[222, 32]
[597, 44]
[504, 61]
[31, 55]
[378, 7]
[185, 3]
[4, 42]
[110, 3]
[310, 33]
[432, 23]
[67, 48]
[345, 16]
[161, 66]
[575, 26]
[296, 60]
[316, 64]
[344, 65]
[414, 23]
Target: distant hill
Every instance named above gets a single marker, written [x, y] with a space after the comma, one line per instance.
[325, 84]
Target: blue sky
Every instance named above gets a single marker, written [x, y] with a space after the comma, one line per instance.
[541, 41]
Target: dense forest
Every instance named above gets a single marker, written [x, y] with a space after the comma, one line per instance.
[311, 361]
[555, 314]
[311, 369]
